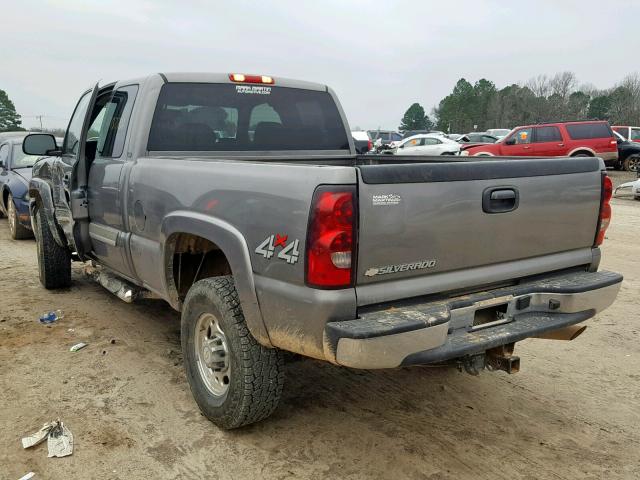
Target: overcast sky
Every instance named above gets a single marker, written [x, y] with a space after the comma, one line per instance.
[378, 56]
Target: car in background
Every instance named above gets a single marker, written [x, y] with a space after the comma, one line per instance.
[17, 134]
[628, 154]
[15, 173]
[411, 133]
[427, 144]
[455, 136]
[477, 138]
[384, 137]
[561, 139]
[498, 132]
[361, 141]
[630, 133]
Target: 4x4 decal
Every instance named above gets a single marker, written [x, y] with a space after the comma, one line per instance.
[289, 252]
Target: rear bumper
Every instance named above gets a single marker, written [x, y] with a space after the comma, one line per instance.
[443, 330]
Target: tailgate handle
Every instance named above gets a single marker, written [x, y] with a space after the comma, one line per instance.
[500, 199]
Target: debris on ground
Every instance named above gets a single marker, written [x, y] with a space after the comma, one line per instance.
[77, 346]
[59, 439]
[28, 476]
[51, 317]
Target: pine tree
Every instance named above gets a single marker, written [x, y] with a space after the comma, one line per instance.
[9, 118]
[415, 119]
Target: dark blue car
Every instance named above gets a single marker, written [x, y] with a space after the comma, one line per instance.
[15, 173]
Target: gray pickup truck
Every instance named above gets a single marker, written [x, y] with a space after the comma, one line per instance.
[239, 200]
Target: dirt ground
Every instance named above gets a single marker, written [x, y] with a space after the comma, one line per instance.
[573, 411]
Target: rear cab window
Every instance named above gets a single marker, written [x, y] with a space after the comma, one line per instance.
[582, 131]
[230, 117]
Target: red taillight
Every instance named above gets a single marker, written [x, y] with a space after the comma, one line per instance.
[604, 218]
[242, 78]
[331, 237]
[369, 145]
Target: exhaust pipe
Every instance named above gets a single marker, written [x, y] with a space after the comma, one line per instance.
[567, 333]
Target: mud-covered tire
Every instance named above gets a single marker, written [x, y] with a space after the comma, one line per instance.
[17, 230]
[256, 373]
[54, 261]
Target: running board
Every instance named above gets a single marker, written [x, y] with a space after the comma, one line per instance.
[122, 289]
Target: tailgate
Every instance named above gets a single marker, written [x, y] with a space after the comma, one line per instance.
[419, 220]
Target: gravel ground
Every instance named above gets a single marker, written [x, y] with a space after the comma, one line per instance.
[573, 411]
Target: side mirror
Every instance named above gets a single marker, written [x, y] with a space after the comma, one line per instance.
[39, 144]
[510, 141]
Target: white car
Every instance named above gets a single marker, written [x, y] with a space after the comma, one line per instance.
[427, 144]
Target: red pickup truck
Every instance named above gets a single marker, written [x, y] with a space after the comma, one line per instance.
[562, 139]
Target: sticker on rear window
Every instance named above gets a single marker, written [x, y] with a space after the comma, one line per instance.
[253, 89]
[387, 199]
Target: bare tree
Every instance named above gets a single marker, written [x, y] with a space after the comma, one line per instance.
[539, 86]
[563, 84]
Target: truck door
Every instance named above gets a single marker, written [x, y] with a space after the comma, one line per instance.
[105, 191]
[518, 144]
[547, 142]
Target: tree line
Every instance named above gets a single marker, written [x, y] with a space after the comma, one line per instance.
[482, 105]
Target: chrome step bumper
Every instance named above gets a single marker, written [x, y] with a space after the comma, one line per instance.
[424, 333]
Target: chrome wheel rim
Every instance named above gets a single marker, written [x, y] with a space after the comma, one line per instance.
[212, 354]
[633, 164]
[12, 217]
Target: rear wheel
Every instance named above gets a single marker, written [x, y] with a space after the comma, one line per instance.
[17, 230]
[581, 155]
[54, 261]
[234, 380]
[630, 164]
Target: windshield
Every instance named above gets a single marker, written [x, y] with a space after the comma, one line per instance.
[20, 159]
[228, 117]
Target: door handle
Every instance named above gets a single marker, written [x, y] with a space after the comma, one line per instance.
[561, 144]
[500, 199]
[526, 148]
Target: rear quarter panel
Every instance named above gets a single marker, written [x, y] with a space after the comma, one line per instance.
[258, 199]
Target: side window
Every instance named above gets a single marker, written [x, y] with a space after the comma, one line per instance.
[522, 136]
[71, 139]
[635, 134]
[113, 129]
[432, 141]
[416, 142]
[581, 131]
[4, 154]
[548, 134]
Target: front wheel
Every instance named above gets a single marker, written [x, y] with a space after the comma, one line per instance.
[234, 380]
[54, 261]
[17, 230]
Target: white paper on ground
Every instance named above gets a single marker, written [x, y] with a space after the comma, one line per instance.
[60, 441]
[38, 437]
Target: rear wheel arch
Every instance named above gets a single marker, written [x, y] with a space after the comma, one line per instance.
[222, 250]
[582, 152]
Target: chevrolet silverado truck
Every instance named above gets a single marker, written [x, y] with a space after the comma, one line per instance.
[240, 200]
